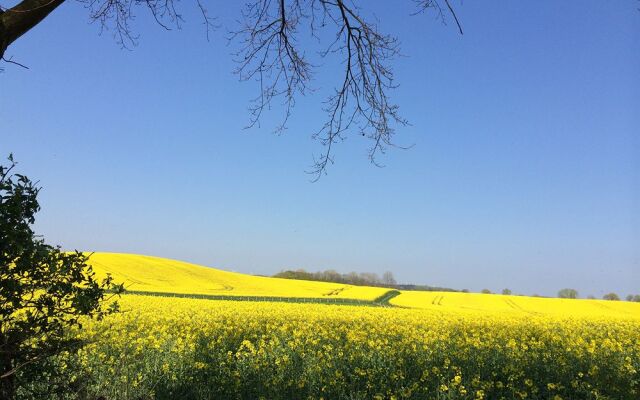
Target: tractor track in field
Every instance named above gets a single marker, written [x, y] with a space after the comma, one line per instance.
[381, 301]
[385, 298]
[517, 307]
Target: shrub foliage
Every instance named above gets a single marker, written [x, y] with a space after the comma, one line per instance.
[43, 290]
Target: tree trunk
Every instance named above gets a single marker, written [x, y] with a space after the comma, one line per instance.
[7, 388]
[16, 21]
[7, 384]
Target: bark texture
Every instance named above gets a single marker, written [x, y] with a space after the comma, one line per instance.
[16, 21]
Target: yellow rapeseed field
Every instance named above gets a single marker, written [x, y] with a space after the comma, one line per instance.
[428, 345]
[176, 348]
[474, 303]
[154, 274]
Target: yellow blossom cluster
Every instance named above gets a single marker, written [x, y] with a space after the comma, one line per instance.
[169, 348]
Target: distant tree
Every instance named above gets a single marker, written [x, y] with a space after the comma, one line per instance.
[611, 296]
[568, 293]
[370, 278]
[485, 291]
[331, 275]
[296, 274]
[388, 279]
[465, 290]
[43, 291]
[506, 291]
[634, 298]
[352, 278]
[591, 297]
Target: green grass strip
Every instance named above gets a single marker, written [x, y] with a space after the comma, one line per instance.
[381, 301]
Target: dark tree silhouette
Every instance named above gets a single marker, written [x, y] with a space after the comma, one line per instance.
[43, 290]
[270, 54]
[611, 296]
[568, 293]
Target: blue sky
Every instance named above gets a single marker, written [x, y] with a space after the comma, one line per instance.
[525, 169]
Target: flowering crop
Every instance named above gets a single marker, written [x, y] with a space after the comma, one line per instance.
[473, 303]
[198, 349]
[153, 274]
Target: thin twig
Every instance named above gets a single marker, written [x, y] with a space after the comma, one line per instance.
[10, 61]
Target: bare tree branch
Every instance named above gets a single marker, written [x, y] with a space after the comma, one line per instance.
[424, 5]
[10, 61]
[361, 100]
[269, 53]
[117, 15]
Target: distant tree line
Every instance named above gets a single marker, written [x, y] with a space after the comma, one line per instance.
[330, 275]
[426, 288]
[568, 293]
[356, 278]
[388, 280]
[634, 297]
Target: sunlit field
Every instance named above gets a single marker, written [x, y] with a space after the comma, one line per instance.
[469, 346]
[475, 303]
[154, 274]
[169, 348]
[410, 345]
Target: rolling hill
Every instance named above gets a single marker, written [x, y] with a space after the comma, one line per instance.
[507, 304]
[161, 275]
[153, 275]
